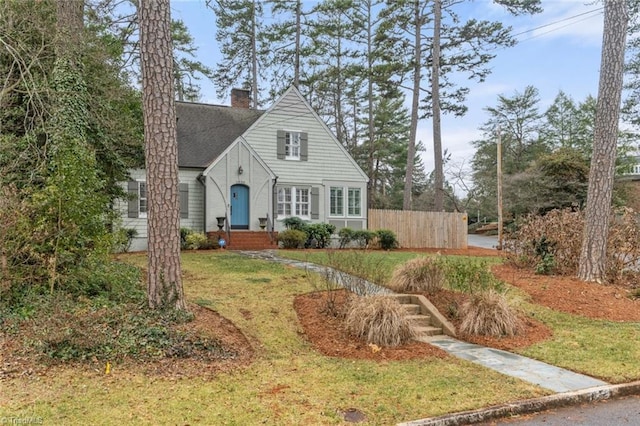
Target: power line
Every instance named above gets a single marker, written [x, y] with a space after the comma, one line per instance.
[600, 9]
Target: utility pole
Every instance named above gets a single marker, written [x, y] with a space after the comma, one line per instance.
[499, 190]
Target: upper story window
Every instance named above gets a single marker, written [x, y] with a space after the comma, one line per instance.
[292, 145]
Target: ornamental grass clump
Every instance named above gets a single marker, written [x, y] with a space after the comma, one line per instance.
[422, 274]
[379, 320]
[488, 314]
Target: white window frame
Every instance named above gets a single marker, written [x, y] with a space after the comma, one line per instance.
[347, 207]
[292, 145]
[142, 213]
[294, 201]
[336, 210]
[351, 208]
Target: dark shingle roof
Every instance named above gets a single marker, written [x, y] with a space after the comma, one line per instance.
[205, 131]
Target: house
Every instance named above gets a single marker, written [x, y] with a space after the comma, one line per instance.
[242, 171]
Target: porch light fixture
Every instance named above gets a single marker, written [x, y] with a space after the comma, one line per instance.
[240, 170]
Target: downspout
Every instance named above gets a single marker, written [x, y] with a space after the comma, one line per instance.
[274, 204]
[203, 179]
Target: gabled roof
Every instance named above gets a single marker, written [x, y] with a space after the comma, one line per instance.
[205, 131]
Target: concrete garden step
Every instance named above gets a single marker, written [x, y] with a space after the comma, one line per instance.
[420, 320]
[423, 331]
[411, 309]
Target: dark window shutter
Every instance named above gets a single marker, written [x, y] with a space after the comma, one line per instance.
[304, 146]
[280, 145]
[132, 189]
[184, 201]
[315, 202]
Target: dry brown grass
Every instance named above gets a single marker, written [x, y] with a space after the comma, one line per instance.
[488, 314]
[422, 274]
[379, 320]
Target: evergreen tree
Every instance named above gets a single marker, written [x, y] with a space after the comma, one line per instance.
[239, 27]
[599, 195]
[186, 69]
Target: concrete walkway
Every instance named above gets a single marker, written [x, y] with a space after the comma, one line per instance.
[527, 369]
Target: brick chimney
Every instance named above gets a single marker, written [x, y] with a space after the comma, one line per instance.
[240, 98]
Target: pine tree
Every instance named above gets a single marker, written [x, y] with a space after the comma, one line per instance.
[598, 210]
[164, 280]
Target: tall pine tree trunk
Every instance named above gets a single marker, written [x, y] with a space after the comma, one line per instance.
[296, 72]
[254, 55]
[415, 103]
[435, 99]
[164, 285]
[601, 174]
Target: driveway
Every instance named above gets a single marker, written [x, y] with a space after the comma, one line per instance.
[482, 241]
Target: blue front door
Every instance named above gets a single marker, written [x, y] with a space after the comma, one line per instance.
[239, 207]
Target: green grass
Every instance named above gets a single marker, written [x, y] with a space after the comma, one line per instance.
[603, 349]
[288, 383]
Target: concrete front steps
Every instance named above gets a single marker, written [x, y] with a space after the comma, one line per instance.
[247, 240]
[425, 318]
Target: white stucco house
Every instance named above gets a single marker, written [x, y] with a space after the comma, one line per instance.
[247, 170]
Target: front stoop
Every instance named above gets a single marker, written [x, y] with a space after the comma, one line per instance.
[248, 240]
[425, 318]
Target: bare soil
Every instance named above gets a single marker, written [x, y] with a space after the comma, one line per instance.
[327, 336]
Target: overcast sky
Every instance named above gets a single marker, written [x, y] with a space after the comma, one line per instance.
[559, 49]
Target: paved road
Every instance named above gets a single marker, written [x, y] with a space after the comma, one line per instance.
[483, 241]
[612, 412]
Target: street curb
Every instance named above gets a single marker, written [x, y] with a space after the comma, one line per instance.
[530, 405]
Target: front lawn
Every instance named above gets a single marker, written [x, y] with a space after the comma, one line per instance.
[287, 382]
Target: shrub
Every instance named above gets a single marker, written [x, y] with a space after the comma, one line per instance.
[380, 320]
[196, 240]
[292, 238]
[320, 233]
[544, 251]
[123, 239]
[346, 236]
[363, 237]
[295, 222]
[560, 233]
[360, 271]
[184, 232]
[387, 239]
[422, 274]
[470, 276]
[488, 314]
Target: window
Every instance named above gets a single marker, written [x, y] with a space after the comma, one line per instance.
[355, 202]
[341, 196]
[142, 199]
[284, 202]
[138, 201]
[293, 201]
[336, 201]
[292, 145]
[302, 202]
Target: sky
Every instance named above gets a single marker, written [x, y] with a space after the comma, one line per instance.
[558, 50]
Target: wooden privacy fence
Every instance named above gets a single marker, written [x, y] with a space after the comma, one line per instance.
[415, 229]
